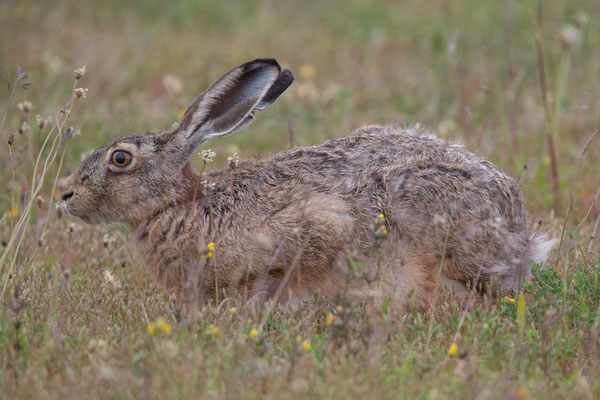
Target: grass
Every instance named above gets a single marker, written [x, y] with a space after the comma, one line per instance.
[80, 315]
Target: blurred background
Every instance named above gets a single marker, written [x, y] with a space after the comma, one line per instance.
[469, 70]
[506, 78]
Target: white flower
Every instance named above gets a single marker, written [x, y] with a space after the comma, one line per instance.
[208, 184]
[207, 155]
[81, 93]
[233, 160]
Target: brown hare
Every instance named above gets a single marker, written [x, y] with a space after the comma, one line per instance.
[417, 212]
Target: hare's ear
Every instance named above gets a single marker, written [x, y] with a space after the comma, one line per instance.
[229, 104]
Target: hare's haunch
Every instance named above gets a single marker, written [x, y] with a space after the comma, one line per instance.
[416, 212]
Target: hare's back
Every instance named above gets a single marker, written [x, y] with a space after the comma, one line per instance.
[411, 169]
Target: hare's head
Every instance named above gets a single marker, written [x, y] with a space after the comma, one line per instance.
[133, 177]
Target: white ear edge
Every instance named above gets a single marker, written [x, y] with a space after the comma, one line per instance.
[206, 129]
[209, 99]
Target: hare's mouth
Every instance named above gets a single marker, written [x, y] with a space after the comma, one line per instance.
[71, 209]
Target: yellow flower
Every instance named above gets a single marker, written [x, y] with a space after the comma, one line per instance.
[381, 217]
[383, 229]
[211, 246]
[509, 300]
[547, 161]
[453, 349]
[209, 254]
[163, 326]
[330, 318]
[151, 328]
[232, 310]
[306, 345]
[253, 333]
[13, 212]
[307, 71]
[213, 330]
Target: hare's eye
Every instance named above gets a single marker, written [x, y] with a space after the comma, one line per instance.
[121, 158]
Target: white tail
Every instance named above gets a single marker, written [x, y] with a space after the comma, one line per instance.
[540, 247]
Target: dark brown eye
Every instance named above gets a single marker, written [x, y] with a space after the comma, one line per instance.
[121, 158]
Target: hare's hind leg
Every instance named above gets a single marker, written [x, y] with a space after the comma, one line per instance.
[411, 274]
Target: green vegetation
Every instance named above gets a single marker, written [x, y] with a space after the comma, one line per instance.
[80, 315]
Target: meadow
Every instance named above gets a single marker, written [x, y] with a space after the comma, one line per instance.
[517, 82]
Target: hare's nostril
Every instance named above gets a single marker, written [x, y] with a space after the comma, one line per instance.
[67, 196]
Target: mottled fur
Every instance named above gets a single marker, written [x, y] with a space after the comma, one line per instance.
[286, 226]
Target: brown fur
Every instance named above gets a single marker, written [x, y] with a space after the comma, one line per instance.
[286, 226]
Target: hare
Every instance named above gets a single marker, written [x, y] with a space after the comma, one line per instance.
[417, 212]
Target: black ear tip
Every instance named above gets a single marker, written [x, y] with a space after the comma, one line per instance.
[283, 81]
[286, 76]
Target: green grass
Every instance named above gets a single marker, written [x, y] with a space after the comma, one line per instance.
[466, 69]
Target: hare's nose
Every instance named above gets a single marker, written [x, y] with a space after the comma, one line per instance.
[66, 196]
[66, 189]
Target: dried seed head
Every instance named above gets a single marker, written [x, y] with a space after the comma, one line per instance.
[59, 209]
[110, 281]
[25, 106]
[107, 240]
[233, 160]
[70, 132]
[39, 201]
[11, 139]
[73, 227]
[81, 92]
[41, 121]
[80, 72]
[23, 128]
[569, 35]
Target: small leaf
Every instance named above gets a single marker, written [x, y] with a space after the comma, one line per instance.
[384, 309]
[583, 305]
[521, 315]
[22, 339]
